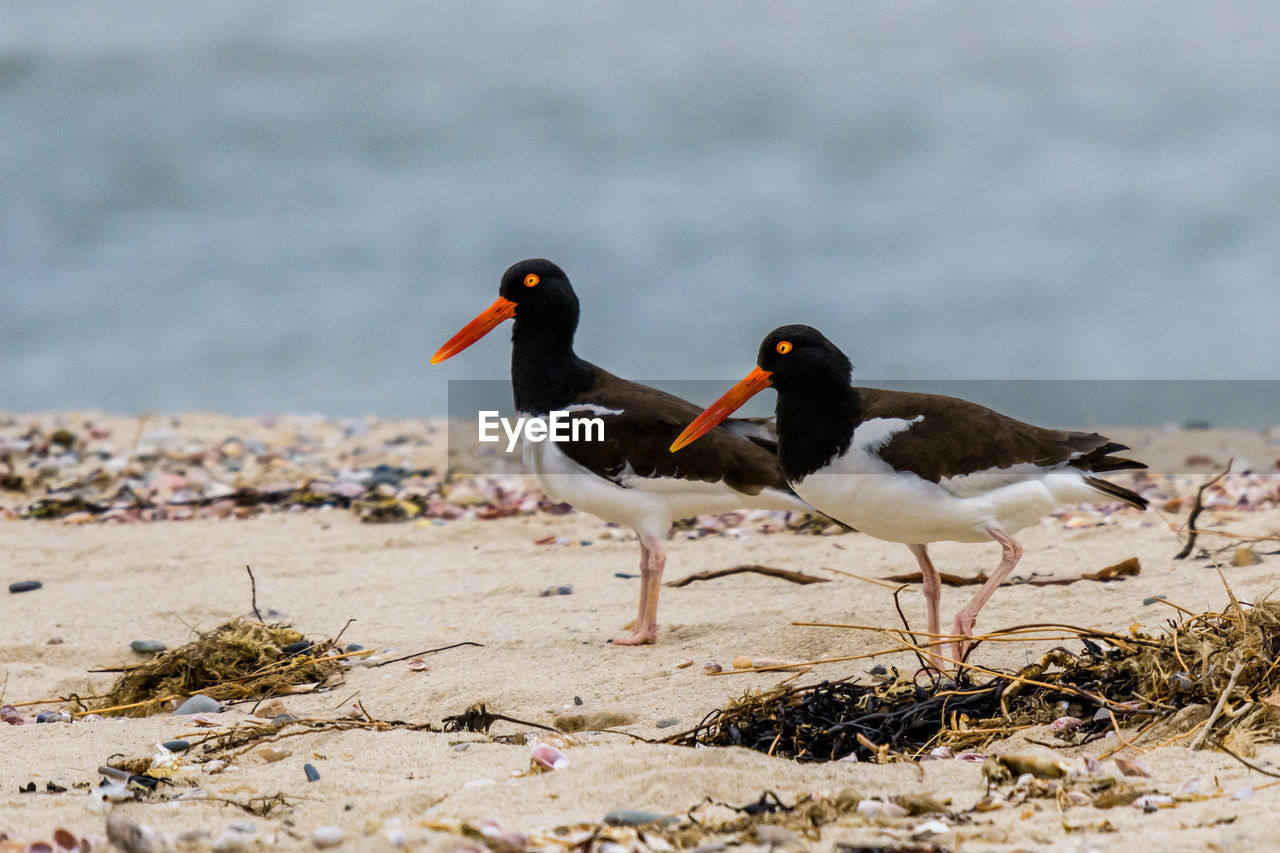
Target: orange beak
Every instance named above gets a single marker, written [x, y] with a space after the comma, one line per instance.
[500, 310]
[755, 382]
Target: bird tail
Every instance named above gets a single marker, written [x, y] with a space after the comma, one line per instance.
[1120, 493]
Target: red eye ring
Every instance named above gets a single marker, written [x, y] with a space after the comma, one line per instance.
[531, 279]
[783, 347]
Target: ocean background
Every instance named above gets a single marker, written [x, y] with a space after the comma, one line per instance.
[255, 207]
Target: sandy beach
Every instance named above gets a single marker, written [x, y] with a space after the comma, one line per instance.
[464, 567]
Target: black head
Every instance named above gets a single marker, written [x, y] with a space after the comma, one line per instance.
[797, 356]
[539, 289]
[538, 295]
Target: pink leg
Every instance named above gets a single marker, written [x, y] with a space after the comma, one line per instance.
[932, 597]
[968, 617]
[653, 559]
[932, 587]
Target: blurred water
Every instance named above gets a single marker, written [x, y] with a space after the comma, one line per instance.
[264, 206]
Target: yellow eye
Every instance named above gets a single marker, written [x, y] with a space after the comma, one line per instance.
[784, 347]
[531, 279]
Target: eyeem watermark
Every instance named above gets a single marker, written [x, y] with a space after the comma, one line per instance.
[557, 426]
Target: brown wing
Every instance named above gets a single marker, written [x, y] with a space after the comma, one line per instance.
[638, 439]
[956, 437]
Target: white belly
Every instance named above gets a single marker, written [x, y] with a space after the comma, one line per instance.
[647, 504]
[864, 492]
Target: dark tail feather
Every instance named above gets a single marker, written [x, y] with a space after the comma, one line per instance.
[1120, 493]
[1099, 460]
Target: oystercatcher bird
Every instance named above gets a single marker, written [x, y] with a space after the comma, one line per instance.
[629, 477]
[916, 468]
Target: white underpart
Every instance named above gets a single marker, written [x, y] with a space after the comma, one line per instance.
[865, 492]
[592, 408]
[646, 504]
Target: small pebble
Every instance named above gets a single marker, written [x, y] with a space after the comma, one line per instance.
[557, 590]
[577, 700]
[143, 647]
[328, 836]
[667, 722]
[269, 710]
[176, 745]
[625, 575]
[198, 704]
[53, 717]
[712, 667]
[353, 647]
[461, 747]
[418, 665]
[272, 754]
[54, 641]
[230, 842]
[24, 586]
[632, 817]
[313, 775]
[297, 648]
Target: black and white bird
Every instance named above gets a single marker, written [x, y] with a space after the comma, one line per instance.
[630, 477]
[916, 468]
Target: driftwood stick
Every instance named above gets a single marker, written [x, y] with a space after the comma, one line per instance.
[1217, 709]
[1196, 509]
[785, 574]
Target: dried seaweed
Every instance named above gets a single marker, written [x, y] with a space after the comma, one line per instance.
[1228, 660]
[241, 659]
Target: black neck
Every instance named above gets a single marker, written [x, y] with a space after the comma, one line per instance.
[545, 372]
[815, 425]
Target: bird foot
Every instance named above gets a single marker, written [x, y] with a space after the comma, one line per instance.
[639, 638]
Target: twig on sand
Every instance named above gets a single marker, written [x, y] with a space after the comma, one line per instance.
[785, 574]
[1127, 568]
[1196, 509]
[1217, 709]
[429, 652]
[253, 592]
[1217, 743]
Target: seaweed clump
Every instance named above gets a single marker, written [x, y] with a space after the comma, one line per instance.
[1212, 674]
[240, 659]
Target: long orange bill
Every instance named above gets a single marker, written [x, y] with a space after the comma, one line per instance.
[755, 382]
[502, 309]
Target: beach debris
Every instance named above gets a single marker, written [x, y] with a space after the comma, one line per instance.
[270, 709]
[241, 659]
[146, 647]
[635, 817]
[684, 664]
[198, 704]
[1124, 569]
[1129, 767]
[478, 718]
[272, 754]
[547, 757]
[324, 837]
[1113, 680]
[769, 571]
[132, 837]
[24, 586]
[1245, 556]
